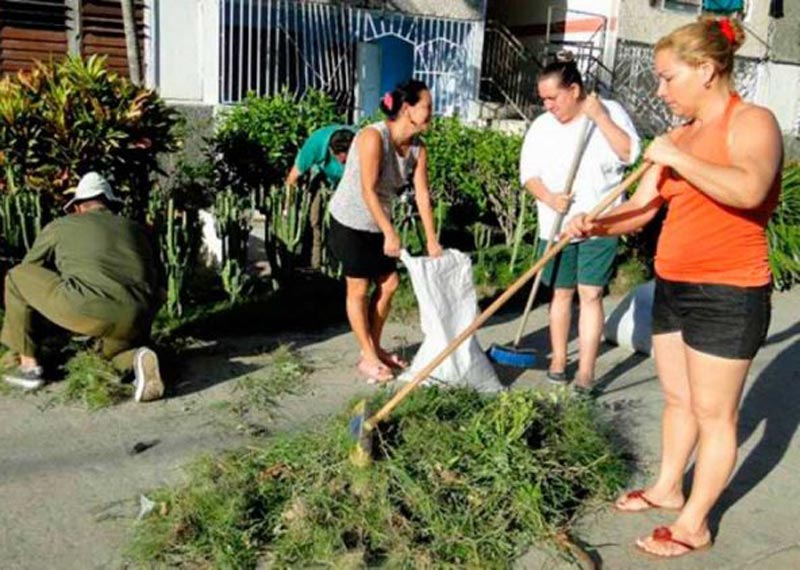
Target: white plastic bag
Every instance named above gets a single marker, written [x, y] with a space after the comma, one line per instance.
[630, 324]
[448, 305]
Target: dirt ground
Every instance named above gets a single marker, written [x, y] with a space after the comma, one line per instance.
[71, 480]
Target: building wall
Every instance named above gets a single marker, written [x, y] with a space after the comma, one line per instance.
[184, 55]
[456, 9]
[786, 37]
[570, 21]
[779, 90]
[641, 22]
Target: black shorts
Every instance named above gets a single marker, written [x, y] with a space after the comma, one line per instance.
[359, 252]
[721, 320]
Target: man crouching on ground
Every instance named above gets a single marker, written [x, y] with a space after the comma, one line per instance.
[93, 273]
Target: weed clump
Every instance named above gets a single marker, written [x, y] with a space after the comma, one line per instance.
[458, 480]
[93, 381]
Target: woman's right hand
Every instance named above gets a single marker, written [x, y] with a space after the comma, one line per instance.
[559, 202]
[579, 227]
[391, 244]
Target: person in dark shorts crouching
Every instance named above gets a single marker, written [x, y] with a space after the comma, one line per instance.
[383, 157]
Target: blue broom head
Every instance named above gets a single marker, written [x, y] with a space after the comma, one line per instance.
[510, 356]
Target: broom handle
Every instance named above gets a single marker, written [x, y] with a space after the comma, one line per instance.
[573, 171]
[607, 200]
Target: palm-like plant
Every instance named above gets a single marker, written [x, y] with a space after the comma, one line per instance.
[783, 231]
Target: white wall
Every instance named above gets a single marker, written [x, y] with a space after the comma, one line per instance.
[185, 50]
[641, 22]
[779, 90]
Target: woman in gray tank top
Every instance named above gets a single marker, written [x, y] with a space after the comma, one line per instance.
[383, 158]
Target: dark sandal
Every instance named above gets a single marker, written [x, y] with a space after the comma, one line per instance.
[557, 377]
[664, 534]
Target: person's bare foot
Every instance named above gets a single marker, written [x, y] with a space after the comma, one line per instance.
[645, 499]
[670, 542]
[374, 371]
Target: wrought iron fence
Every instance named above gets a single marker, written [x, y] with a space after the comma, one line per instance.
[269, 45]
[635, 85]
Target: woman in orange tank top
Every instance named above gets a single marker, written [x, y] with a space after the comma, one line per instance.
[719, 174]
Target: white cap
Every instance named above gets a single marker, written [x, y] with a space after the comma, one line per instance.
[91, 186]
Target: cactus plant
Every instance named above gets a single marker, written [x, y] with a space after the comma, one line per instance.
[233, 215]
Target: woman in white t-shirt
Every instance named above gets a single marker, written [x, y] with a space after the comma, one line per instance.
[547, 153]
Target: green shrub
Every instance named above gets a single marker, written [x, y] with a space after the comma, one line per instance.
[257, 139]
[63, 119]
[783, 231]
[459, 480]
[629, 274]
[476, 171]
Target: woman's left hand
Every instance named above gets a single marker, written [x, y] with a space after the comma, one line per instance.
[662, 151]
[434, 249]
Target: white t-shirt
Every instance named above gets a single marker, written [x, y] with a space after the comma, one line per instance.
[548, 151]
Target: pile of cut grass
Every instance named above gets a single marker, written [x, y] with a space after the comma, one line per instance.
[93, 381]
[458, 480]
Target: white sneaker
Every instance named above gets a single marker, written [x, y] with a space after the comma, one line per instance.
[30, 379]
[147, 378]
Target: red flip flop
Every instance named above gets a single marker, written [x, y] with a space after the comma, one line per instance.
[639, 494]
[664, 534]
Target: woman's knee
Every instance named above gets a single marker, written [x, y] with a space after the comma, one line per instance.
[389, 284]
[590, 294]
[678, 399]
[357, 289]
[714, 413]
[562, 296]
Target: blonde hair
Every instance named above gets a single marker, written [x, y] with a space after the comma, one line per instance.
[705, 41]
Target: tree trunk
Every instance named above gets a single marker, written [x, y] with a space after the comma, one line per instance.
[131, 41]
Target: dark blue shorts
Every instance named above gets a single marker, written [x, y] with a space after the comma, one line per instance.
[721, 320]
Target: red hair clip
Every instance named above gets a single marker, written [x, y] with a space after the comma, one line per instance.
[727, 30]
[388, 101]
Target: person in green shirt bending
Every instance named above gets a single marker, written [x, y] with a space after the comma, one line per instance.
[92, 273]
[321, 160]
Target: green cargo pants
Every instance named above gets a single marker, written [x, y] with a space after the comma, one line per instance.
[120, 328]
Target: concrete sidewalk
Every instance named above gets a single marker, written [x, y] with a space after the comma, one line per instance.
[756, 521]
[70, 481]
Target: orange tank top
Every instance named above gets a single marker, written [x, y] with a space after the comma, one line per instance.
[703, 241]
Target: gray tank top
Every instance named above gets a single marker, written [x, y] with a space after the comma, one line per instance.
[348, 206]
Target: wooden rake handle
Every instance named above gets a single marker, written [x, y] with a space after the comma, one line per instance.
[401, 394]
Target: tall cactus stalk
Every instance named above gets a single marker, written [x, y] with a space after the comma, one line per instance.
[233, 215]
[21, 221]
[287, 220]
[179, 235]
[482, 237]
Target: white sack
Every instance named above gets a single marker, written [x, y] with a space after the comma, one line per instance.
[448, 305]
[630, 324]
